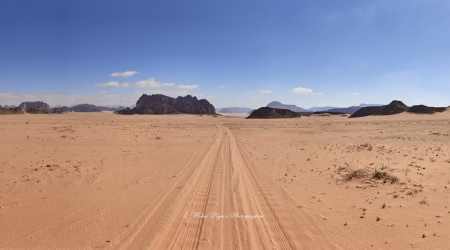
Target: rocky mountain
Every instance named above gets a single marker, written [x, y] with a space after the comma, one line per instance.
[395, 107]
[161, 104]
[272, 113]
[234, 110]
[279, 105]
[38, 104]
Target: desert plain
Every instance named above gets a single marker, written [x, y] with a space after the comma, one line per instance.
[107, 181]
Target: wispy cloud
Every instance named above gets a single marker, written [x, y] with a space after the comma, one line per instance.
[301, 90]
[355, 93]
[265, 92]
[123, 74]
[187, 86]
[152, 83]
[113, 84]
[221, 87]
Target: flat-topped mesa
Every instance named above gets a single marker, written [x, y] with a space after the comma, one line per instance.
[161, 104]
[272, 113]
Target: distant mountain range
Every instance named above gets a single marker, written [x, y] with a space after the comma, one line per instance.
[279, 105]
[234, 110]
[349, 110]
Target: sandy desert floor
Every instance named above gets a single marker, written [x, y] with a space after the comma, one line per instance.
[105, 181]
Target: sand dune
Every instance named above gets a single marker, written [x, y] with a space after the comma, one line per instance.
[104, 181]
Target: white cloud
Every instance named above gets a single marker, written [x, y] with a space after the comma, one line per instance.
[265, 92]
[301, 90]
[102, 92]
[113, 84]
[355, 93]
[319, 93]
[124, 74]
[187, 86]
[151, 83]
[221, 87]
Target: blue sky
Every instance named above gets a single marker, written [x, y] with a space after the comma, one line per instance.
[233, 53]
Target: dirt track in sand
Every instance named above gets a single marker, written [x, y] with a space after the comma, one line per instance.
[103, 181]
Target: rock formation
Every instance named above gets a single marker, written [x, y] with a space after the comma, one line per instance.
[161, 104]
[38, 104]
[422, 109]
[80, 108]
[271, 113]
[395, 107]
[11, 111]
[44, 111]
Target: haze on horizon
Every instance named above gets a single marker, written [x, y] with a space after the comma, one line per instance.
[233, 53]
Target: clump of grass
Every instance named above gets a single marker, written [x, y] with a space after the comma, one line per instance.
[412, 192]
[354, 174]
[383, 175]
[423, 201]
[158, 138]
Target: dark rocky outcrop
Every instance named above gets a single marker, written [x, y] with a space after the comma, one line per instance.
[80, 108]
[367, 111]
[44, 111]
[11, 111]
[271, 113]
[395, 107]
[38, 104]
[161, 104]
[85, 108]
[279, 105]
[422, 109]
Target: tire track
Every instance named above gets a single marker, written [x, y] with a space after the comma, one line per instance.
[186, 234]
[279, 236]
[156, 214]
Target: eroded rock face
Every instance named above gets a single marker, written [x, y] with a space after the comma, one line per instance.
[161, 104]
[272, 113]
[28, 105]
